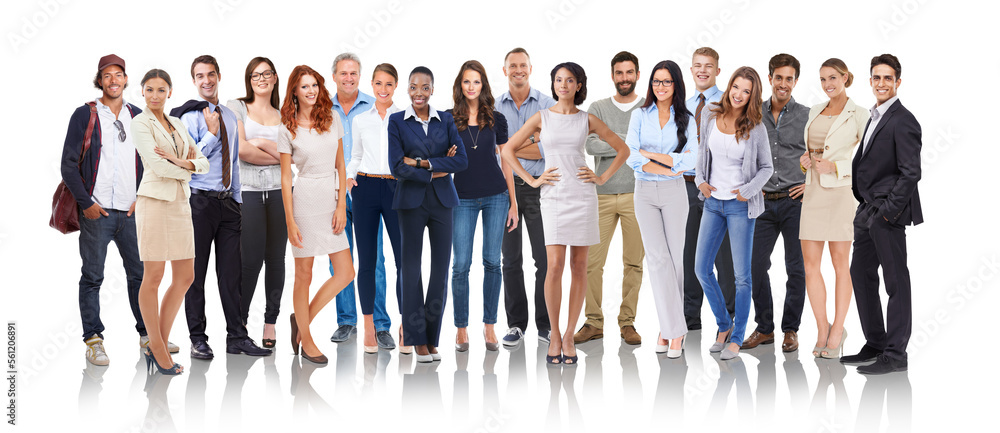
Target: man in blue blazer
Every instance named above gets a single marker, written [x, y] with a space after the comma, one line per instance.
[424, 149]
[884, 179]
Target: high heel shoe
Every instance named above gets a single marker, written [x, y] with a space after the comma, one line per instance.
[661, 348]
[829, 353]
[424, 359]
[717, 346]
[674, 354]
[267, 343]
[371, 349]
[403, 349]
[295, 335]
[151, 361]
[818, 350]
[436, 356]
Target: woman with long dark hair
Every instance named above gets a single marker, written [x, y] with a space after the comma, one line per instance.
[316, 214]
[734, 162]
[568, 205]
[483, 186]
[264, 235]
[661, 138]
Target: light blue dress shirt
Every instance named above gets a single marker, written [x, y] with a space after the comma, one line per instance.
[711, 95]
[211, 147]
[644, 133]
[516, 118]
[362, 104]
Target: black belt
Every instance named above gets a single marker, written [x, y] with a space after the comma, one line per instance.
[519, 181]
[775, 195]
[221, 195]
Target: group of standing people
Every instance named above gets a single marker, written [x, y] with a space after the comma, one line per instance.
[700, 184]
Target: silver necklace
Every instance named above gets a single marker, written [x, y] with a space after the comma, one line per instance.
[475, 140]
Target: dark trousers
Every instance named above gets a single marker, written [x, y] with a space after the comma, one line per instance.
[693, 294]
[95, 234]
[780, 217]
[422, 314]
[263, 241]
[881, 244]
[372, 201]
[216, 221]
[514, 296]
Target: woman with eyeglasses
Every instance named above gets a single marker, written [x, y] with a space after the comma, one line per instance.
[734, 162]
[483, 187]
[163, 214]
[662, 137]
[264, 235]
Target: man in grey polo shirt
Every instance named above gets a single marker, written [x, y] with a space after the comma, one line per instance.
[518, 104]
[785, 120]
[614, 200]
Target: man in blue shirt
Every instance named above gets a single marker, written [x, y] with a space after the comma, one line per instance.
[349, 102]
[704, 70]
[215, 212]
[518, 104]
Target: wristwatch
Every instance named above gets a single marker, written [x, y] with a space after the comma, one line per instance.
[419, 159]
[532, 138]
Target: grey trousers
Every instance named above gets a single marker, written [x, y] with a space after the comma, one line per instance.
[661, 208]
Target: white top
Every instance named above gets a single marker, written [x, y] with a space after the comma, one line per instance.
[260, 177]
[432, 115]
[370, 153]
[877, 112]
[727, 163]
[114, 187]
[625, 106]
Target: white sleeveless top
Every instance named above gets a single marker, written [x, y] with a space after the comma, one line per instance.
[260, 177]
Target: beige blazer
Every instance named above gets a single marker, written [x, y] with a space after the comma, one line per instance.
[160, 177]
[847, 130]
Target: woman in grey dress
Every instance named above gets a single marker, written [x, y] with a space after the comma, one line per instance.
[569, 206]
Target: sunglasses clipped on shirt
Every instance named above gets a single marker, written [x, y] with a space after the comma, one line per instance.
[121, 130]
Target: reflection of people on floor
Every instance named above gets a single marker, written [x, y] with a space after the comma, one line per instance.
[669, 399]
[897, 393]
[730, 372]
[158, 417]
[831, 373]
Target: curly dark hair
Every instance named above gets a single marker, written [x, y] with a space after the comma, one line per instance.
[581, 77]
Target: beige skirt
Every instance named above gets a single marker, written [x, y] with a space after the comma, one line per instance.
[827, 213]
[164, 228]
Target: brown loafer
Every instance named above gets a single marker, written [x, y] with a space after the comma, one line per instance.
[756, 339]
[587, 333]
[630, 336]
[791, 342]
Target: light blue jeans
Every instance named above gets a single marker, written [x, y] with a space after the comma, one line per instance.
[718, 217]
[494, 209]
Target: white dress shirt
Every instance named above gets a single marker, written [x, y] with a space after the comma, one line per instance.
[370, 153]
[114, 187]
[877, 112]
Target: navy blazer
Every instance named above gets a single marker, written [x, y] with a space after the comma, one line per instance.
[79, 174]
[885, 176]
[407, 139]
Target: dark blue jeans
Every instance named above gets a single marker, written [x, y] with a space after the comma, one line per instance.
[372, 206]
[95, 235]
[347, 304]
[494, 209]
[780, 217]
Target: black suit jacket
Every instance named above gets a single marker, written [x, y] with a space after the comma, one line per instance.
[885, 176]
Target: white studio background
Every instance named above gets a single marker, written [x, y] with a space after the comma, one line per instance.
[50, 55]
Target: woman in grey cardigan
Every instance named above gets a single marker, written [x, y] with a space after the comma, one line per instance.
[734, 162]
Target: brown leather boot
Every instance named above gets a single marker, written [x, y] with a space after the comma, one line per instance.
[630, 336]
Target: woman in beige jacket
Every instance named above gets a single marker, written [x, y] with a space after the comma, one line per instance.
[833, 130]
[163, 214]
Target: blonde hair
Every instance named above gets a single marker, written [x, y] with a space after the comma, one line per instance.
[841, 68]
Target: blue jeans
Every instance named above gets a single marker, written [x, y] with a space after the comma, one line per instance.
[95, 234]
[347, 306]
[719, 217]
[494, 210]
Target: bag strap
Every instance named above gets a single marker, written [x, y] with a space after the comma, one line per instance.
[89, 132]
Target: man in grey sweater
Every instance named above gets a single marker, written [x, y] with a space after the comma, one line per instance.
[614, 203]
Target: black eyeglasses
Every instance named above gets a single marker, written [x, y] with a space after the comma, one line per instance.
[256, 76]
[664, 83]
[121, 130]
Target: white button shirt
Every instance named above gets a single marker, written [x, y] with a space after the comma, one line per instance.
[114, 187]
[370, 153]
[877, 112]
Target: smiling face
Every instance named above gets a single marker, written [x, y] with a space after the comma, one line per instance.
[884, 83]
[206, 79]
[472, 85]
[156, 91]
[262, 87]
[420, 90]
[662, 91]
[307, 91]
[832, 82]
[347, 76]
[113, 80]
[739, 94]
[384, 87]
[625, 75]
[782, 82]
[517, 68]
[565, 85]
[704, 70]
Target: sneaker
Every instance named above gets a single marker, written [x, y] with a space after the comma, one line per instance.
[95, 351]
[543, 336]
[343, 333]
[171, 347]
[513, 337]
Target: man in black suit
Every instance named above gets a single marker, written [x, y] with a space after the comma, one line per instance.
[885, 174]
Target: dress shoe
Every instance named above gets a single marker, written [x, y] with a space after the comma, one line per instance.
[246, 346]
[882, 365]
[343, 333]
[295, 334]
[829, 353]
[866, 355]
[171, 347]
[791, 342]
[492, 347]
[384, 339]
[756, 339]
[676, 353]
[587, 333]
[462, 347]
[436, 356]
[320, 359]
[403, 348]
[727, 354]
[201, 350]
[661, 348]
[717, 346]
[629, 335]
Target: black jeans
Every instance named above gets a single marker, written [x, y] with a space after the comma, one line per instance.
[693, 294]
[263, 238]
[216, 221]
[514, 295]
[780, 217]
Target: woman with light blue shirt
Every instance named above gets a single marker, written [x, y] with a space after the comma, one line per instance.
[662, 137]
[734, 162]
